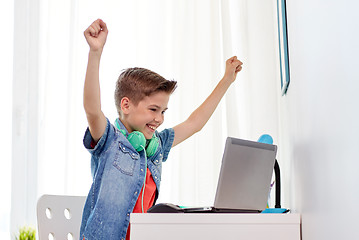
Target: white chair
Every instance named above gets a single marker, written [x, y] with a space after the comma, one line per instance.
[59, 217]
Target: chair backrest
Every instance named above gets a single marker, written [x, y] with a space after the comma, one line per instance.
[59, 217]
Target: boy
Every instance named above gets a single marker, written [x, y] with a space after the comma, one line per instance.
[127, 158]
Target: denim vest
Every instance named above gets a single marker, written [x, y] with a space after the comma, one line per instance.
[118, 171]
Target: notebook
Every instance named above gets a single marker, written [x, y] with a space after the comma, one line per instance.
[244, 179]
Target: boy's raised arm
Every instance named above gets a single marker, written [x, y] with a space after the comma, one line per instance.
[201, 115]
[95, 35]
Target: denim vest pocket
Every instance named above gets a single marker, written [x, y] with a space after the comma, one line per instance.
[157, 160]
[125, 159]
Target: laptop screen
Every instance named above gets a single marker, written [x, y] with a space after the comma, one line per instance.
[245, 175]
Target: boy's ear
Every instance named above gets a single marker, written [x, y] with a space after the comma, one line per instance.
[125, 105]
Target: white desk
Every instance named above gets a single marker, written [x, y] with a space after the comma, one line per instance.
[160, 226]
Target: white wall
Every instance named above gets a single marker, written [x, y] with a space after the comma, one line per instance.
[319, 117]
[316, 125]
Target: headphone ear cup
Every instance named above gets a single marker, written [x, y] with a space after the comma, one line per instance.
[152, 146]
[137, 140]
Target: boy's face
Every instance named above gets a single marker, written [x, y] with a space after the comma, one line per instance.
[147, 116]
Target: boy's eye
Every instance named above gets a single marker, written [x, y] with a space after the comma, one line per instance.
[155, 110]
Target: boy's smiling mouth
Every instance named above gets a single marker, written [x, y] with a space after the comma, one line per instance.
[152, 127]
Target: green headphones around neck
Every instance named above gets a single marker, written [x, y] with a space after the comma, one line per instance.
[138, 140]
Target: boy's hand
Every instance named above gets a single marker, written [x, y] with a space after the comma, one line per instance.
[233, 66]
[96, 35]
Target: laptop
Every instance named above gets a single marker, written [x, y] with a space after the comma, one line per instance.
[244, 179]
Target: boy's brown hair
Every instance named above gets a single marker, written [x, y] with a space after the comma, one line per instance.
[137, 83]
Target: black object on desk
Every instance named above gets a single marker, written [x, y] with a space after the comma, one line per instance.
[165, 208]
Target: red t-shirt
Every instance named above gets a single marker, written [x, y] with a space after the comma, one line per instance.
[148, 198]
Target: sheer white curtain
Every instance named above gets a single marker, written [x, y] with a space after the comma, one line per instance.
[180, 40]
[185, 40]
[250, 30]
[6, 41]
